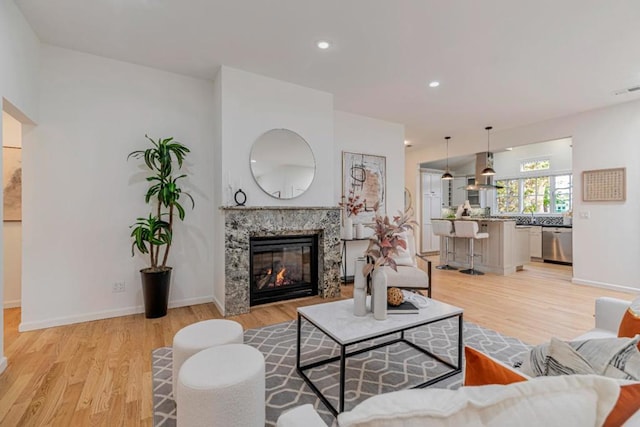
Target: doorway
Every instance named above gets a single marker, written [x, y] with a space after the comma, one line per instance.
[12, 211]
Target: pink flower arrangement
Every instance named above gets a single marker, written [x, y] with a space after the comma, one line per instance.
[386, 240]
[353, 205]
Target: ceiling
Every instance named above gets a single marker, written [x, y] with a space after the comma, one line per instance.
[499, 62]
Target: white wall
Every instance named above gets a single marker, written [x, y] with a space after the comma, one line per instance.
[361, 134]
[12, 240]
[603, 255]
[19, 50]
[80, 193]
[507, 163]
[251, 105]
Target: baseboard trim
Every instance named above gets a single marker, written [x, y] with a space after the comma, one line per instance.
[604, 285]
[218, 305]
[12, 304]
[3, 364]
[106, 314]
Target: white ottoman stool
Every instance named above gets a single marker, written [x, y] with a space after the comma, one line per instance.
[199, 336]
[222, 386]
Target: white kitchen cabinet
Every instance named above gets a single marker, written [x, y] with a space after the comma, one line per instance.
[535, 241]
[432, 183]
[431, 208]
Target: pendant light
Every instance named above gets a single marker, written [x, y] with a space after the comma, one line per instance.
[488, 171]
[447, 175]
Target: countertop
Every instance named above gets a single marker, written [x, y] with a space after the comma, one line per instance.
[493, 219]
[478, 218]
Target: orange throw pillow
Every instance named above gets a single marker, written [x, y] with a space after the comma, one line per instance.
[628, 404]
[480, 369]
[630, 324]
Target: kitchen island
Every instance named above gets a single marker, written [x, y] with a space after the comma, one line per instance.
[505, 251]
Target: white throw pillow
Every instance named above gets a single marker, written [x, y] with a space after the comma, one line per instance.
[575, 400]
[406, 256]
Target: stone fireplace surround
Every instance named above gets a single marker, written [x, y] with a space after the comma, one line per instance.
[243, 222]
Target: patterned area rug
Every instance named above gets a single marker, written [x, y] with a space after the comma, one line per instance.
[390, 368]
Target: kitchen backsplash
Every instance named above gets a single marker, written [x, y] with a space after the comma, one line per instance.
[540, 220]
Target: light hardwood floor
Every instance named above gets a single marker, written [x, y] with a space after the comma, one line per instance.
[99, 373]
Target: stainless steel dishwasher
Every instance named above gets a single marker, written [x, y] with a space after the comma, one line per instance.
[557, 244]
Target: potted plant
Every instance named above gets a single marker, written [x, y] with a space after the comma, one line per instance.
[153, 233]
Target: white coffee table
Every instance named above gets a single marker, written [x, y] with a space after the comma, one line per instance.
[337, 321]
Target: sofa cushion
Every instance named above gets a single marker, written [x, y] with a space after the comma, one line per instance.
[626, 406]
[611, 357]
[562, 359]
[595, 334]
[630, 324]
[480, 369]
[406, 277]
[575, 400]
[406, 256]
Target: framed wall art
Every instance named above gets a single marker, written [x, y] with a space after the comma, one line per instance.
[604, 185]
[12, 183]
[365, 176]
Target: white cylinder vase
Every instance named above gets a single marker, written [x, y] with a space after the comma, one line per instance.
[379, 293]
[359, 231]
[359, 288]
[347, 231]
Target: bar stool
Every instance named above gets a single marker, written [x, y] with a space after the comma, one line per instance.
[469, 230]
[444, 228]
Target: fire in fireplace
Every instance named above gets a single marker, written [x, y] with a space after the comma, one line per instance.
[283, 267]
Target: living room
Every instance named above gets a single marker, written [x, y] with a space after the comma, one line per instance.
[82, 112]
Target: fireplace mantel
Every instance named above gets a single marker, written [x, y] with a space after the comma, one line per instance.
[281, 208]
[243, 222]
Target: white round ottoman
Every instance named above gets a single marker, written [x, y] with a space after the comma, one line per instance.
[199, 336]
[222, 386]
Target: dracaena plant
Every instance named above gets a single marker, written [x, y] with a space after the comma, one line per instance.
[386, 240]
[152, 233]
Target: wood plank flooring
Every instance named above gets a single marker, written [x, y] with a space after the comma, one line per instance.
[99, 373]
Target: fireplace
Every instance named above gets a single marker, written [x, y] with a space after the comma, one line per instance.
[245, 223]
[283, 267]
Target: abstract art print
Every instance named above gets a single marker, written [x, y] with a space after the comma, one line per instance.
[364, 176]
[12, 183]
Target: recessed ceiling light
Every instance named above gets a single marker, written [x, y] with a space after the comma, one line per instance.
[253, 161]
[509, 148]
[434, 84]
[323, 44]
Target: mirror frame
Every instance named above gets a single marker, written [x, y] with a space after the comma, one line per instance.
[408, 200]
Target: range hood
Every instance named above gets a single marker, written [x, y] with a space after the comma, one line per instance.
[483, 182]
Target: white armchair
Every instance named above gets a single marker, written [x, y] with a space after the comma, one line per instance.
[408, 276]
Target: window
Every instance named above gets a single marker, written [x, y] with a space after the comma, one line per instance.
[535, 165]
[542, 194]
[562, 191]
[508, 198]
[535, 194]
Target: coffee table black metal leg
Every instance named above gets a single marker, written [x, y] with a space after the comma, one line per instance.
[343, 360]
[298, 343]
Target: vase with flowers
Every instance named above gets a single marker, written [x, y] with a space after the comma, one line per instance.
[352, 206]
[388, 239]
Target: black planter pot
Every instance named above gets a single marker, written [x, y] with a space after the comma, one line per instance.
[155, 289]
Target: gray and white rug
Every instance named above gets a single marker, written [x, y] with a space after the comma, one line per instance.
[390, 368]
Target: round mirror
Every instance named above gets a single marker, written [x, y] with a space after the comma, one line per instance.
[282, 163]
